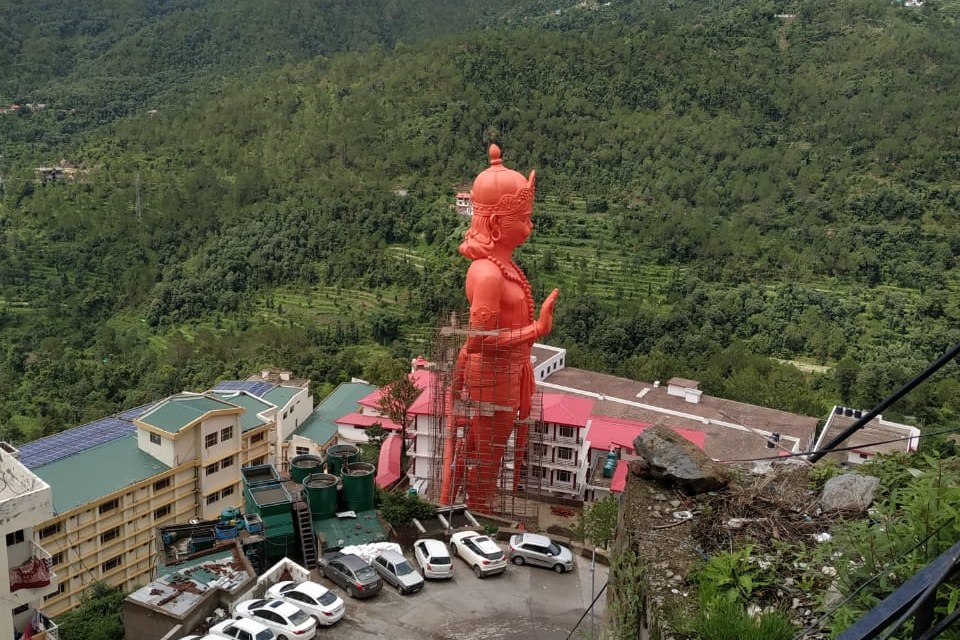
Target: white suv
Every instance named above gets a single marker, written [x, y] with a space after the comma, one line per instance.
[480, 552]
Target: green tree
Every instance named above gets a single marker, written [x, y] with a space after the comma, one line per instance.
[97, 617]
[395, 401]
[598, 523]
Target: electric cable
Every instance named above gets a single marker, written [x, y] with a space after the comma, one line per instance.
[587, 610]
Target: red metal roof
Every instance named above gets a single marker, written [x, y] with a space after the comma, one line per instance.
[423, 379]
[605, 432]
[619, 481]
[560, 408]
[388, 465]
[356, 419]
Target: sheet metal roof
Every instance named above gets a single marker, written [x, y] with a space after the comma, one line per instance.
[251, 405]
[321, 426]
[97, 472]
[179, 411]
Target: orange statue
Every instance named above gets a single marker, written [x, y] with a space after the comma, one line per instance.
[493, 381]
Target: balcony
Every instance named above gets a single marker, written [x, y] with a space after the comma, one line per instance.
[35, 573]
[41, 627]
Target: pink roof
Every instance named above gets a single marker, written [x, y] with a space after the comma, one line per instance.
[359, 420]
[388, 465]
[605, 432]
[619, 481]
[423, 379]
[560, 408]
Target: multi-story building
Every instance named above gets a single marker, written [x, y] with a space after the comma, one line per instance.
[116, 479]
[559, 455]
[27, 574]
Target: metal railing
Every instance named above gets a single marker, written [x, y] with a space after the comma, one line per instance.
[915, 599]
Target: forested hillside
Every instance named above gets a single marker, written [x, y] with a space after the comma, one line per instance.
[719, 187]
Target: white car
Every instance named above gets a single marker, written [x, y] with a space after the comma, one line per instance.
[433, 558]
[287, 621]
[314, 599]
[480, 552]
[242, 629]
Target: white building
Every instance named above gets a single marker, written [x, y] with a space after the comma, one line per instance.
[26, 569]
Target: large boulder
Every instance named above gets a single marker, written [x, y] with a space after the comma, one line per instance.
[675, 460]
[849, 492]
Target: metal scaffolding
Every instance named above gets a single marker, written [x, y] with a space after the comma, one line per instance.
[516, 494]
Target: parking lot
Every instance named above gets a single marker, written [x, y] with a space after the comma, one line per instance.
[523, 603]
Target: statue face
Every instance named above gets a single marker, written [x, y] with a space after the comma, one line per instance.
[515, 229]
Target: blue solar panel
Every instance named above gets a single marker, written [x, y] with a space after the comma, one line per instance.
[253, 387]
[132, 414]
[66, 443]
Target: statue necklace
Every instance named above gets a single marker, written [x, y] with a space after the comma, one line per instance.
[517, 276]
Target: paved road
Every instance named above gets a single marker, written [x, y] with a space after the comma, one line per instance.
[524, 603]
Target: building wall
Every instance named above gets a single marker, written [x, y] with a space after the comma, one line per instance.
[165, 450]
[291, 416]
[25, 502]
[114, 538]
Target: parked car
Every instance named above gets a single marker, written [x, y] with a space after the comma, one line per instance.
[433, 558]
[242, 629]
[314, 599]
[287, 621]
[478, 551]
[196, 637]
[352, 573]
[540, 550]
[398, 571]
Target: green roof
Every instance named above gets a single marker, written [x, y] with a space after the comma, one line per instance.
[280, 396]
[343, 532]
[90, 475]
[252, 405]
[176, 412]
[321, 426]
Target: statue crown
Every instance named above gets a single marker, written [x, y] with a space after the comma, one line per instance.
[503, 191]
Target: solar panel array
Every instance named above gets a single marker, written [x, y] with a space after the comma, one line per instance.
[253, 387]
[136, 412]
[66, 443]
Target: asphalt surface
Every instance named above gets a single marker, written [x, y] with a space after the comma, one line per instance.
[523, 603]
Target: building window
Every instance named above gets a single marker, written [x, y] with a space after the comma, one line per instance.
[302, 451]
[51, 530]
[563, 476]
[257, 437]
[213, 497]
[56, 558]
[21, 609]
[61, 589]
[14, 537]
[226, 462]
[563, 453]
[112, 563]
[159, 485]
[540, 427]
[109, 506]
[540, 450]
[154, 438]
[112, 534]
[226, 491]
[226, 434]
[213, 468]
[161, 512]
[568, 432]
[257, 461]
[210, 440]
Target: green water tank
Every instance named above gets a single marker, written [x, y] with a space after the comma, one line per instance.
[305, 465]
[321, 490]
[339, 455]
[359, 492]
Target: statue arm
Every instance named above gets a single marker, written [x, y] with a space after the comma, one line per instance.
[485, 285]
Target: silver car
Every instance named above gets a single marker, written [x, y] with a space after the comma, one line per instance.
[396, 570]
[540, 550]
